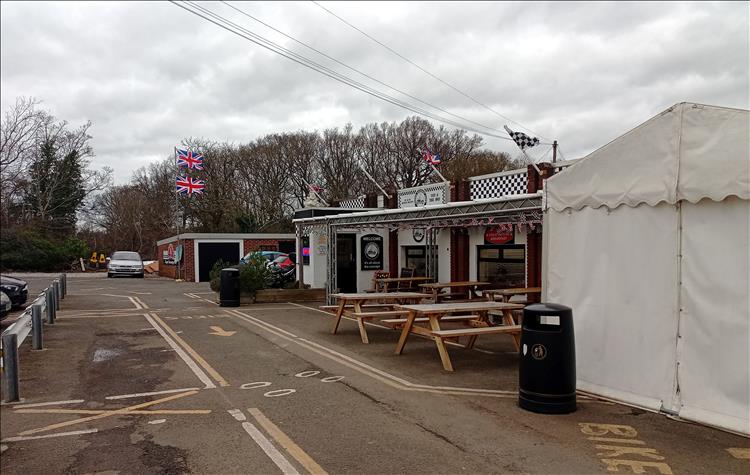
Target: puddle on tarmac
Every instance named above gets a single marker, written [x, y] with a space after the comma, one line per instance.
[104, 354]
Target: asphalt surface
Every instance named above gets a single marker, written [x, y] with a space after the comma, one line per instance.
[150, 376]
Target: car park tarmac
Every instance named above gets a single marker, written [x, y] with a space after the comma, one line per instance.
[150, 375]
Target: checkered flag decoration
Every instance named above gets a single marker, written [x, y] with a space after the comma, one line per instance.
[522, 140]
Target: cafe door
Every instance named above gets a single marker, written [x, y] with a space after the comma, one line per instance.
[346, 262]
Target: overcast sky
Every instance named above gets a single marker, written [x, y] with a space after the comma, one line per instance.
[149, 74]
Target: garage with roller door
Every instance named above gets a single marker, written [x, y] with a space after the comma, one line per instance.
[211, 252]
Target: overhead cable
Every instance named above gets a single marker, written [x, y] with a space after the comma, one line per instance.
[302, 43]
[476, 101]
[242, 32]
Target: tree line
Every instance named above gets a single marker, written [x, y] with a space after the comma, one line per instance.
[50, 191]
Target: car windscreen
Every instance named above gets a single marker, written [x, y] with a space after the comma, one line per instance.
[126, 256]
[280, 259]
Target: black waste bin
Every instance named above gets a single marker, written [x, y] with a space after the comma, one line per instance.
[229, 291]
[547, 371]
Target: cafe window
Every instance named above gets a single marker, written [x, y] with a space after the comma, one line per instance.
[504, 266]
[416, 257]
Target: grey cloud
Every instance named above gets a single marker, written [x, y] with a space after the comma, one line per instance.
[149, 74]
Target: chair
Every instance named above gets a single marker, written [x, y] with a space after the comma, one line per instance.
[375, 284]
[407, 284]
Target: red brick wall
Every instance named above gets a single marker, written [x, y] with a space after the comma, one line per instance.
[255, 245]
[187, 266]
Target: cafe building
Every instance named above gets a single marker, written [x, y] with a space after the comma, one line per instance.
[487, 228]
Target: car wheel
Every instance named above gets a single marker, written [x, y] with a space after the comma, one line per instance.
[109, 275]
[140, 276]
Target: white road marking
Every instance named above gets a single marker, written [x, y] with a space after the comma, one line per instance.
[332, 379]
[137, 305]
[141, 302]
[157, 421]
[255, 385]
[237, 414]
[188, 361]
[146, 330]
[193, 296]
[306, 374]
[3, 448]
[740, 452]
[280, 392]
[153, 393]
[269, 449]
[47, 436]
[51, 403]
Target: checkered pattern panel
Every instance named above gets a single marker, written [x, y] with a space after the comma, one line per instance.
[498, 186]
[353, 203]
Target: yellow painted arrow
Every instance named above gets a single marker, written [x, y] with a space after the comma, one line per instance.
[220, 332]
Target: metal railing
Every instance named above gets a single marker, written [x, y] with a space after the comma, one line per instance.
[29, 323]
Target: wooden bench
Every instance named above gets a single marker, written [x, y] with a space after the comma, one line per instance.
[334, 308]
[362, 316]
[398, 322]
[473, 333]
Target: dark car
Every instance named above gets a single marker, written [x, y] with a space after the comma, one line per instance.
[16, 289]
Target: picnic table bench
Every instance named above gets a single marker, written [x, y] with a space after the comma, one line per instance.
[437, 312]
[351, 305]
[467, 288]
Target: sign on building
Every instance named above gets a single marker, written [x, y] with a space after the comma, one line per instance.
[371, 246]
[433, 194]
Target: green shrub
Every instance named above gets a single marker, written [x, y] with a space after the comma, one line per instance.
[215, 274]
[254, 274]
[32, 251]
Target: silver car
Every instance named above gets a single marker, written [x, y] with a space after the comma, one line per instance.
[125, 263]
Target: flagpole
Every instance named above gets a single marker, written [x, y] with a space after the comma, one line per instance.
[436, 171]
[313, 190]
[177, 203]
[373, 180]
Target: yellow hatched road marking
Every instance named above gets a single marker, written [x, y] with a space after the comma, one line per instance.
[124, 410]
[93, 411]
[740, 452]
[293, 449]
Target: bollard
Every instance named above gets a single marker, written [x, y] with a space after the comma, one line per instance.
[10, 367]
[63, 285]
[50, 306]
[56, 287]
[37, 327]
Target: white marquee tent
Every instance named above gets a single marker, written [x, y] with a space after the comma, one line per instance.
[648, 240]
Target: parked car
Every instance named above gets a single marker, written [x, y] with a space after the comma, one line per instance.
[269, 255]
[283, 261]
[5, 305]
[125, 263]
[16, 289]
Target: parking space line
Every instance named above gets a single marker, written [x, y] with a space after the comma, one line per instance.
[193, 296]
[47, 436]
[134, 302]
[208, 384]
[267, 447]
[198, 358]
[293, 449]
[152, 393]
[740, 452]
[116, 412]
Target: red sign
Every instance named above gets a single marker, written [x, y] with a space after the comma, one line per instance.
[500, 234]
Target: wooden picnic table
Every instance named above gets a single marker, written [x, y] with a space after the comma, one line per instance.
[381, 285]
[470, 287]
[435, 312]
[506, 294]
[355, 300]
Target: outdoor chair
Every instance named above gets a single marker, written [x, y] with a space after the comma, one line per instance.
[378, 275]
[406, 285]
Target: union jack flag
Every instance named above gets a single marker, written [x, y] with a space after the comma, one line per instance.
[185, 185]
[189, 159]
[433, 158]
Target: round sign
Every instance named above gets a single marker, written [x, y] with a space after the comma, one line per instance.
[499, 234]
[417, 234]
[372, 250]
[420, 199]
[538, 351]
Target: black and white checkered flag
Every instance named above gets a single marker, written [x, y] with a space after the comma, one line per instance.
[522, 140]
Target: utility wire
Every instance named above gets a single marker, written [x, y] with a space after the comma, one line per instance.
[425, 70]
[357, 70]
[232, 27]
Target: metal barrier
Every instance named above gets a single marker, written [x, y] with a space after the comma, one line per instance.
[30, 322]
